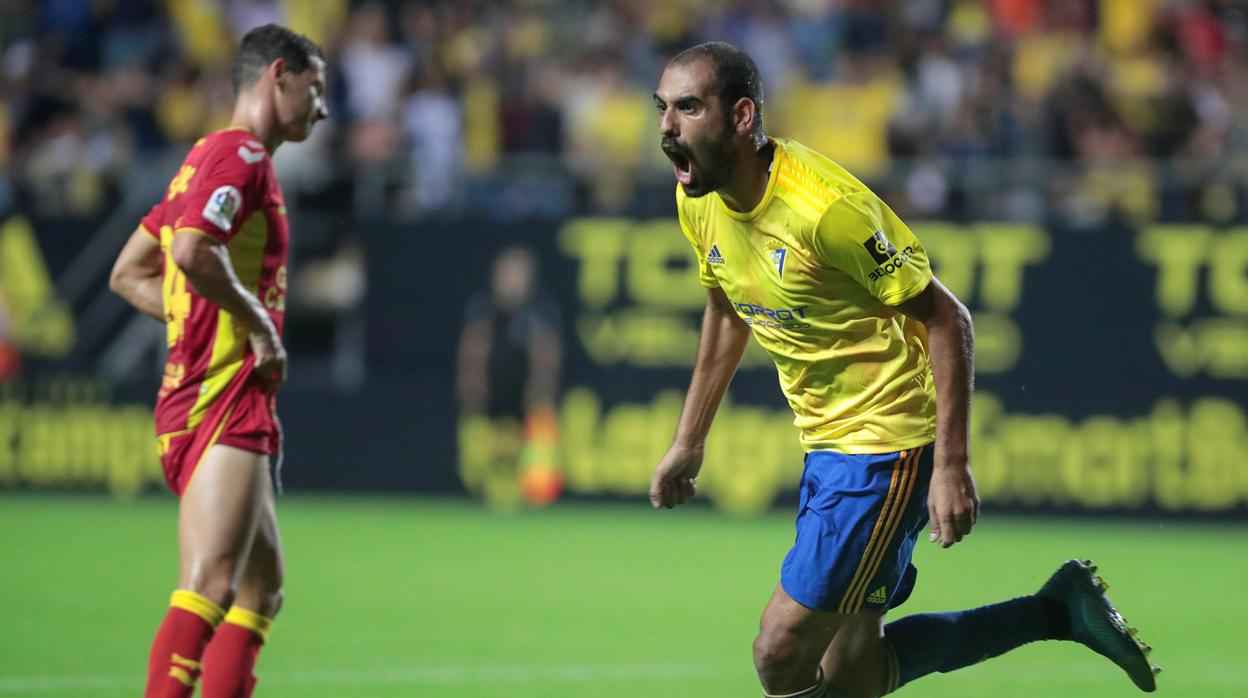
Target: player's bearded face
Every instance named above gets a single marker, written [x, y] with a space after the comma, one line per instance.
[697, 133]
[703, 162]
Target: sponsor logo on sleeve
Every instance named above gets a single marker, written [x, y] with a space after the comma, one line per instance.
[880, 248]
[887, 259]
[222, 206]
[714, 257]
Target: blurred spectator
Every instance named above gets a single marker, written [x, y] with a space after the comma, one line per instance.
[609, 130]
[431, 123]
[373, 66]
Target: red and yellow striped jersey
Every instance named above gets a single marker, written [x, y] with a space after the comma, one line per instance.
[815, 270]
[226, 189]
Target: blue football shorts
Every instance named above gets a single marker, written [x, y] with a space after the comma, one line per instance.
[857, 522]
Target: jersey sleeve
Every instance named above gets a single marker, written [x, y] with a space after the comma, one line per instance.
[152, 222]
[861, 236]
[705, 276]
[221, 196]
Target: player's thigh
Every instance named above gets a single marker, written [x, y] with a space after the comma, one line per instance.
[854, 664]
[220, 508]
[260, 587]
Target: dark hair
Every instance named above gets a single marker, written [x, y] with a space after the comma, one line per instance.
[263, 45]
[736, 76]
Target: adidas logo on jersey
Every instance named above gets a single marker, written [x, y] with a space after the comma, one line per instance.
[714, 257]
[879, 596]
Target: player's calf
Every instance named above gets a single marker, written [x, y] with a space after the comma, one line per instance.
[856, 663]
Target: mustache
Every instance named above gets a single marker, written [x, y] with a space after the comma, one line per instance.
[670, 145]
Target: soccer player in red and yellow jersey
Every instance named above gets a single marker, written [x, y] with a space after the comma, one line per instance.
[210, 261]
[875, 358]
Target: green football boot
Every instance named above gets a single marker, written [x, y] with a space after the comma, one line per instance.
[1096, 623]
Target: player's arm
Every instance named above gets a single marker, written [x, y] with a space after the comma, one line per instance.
[472, 365]
[723, 340]
[136, 274]
[953, 503]
[206, 263]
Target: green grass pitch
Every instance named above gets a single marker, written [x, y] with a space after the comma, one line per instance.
[421, 597]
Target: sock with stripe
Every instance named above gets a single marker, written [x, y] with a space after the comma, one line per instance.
[230, 660]
[173, 666]
[921, 644]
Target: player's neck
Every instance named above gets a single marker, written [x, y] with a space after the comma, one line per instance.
[749, 181]
[257, 118]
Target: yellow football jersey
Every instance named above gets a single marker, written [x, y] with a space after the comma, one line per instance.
[814, 270]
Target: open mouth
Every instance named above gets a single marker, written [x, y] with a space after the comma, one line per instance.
[682, 165]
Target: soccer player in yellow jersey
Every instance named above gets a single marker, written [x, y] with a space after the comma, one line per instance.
[875, 357]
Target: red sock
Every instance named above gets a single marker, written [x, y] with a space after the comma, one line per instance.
[174, 663]
[230, 660]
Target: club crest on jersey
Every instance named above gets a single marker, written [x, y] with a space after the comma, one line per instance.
[880, 248]
[777, 258]
[222, 206]
[714, 257]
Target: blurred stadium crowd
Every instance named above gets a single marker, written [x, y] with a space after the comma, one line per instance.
[1010, 109]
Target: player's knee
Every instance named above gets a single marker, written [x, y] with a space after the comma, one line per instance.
[261, 593]
[213, 579]
[272, 593]
[271, 603]
[775, 652]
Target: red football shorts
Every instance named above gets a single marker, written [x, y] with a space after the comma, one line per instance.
[246, 423]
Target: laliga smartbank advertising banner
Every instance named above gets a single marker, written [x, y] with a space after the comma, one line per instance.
[1112, 368]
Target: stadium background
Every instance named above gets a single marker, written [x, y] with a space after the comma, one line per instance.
[1076, 167]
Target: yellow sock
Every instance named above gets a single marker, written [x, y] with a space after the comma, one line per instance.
[256, 623]
[201, 606]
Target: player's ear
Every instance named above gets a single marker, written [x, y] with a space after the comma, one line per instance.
[280, 71]
[743, 115]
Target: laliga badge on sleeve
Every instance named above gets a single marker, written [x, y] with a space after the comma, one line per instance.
[222, 206]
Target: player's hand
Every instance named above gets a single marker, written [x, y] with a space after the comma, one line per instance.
[675, 479]
[952, 503]
[270, 359]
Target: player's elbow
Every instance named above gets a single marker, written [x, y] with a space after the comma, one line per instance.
[117, 280]
[185, 255]
[954, 319]
[960, 315]
[948, 311]
[193, 254]
[123, 278]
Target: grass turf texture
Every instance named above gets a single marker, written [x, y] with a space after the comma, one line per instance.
[419, 597]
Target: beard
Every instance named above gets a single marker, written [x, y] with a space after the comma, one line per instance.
[710, 165]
